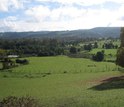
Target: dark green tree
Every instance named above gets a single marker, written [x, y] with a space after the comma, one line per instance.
[120, 52]
[122, 37]
[88, 47]
[120, 57]
[73, 50]
[99, 56]
[95, 45]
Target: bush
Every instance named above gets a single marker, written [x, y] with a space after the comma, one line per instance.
[73, 50]
[13, 101]
[99, 56]
[24, 61]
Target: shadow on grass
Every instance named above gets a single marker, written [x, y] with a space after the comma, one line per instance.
[111, 83]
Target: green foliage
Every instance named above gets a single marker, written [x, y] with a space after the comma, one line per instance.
[45, 47]
[88, 47]
[120, 52]
[3, 52]
[20, 61]
[120, 57]
[109, 45]
[73, 50]
[122, 36]
[99, 56]
[95, 45]
[7, 63]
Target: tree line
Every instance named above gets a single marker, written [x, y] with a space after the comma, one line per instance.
[46, 47]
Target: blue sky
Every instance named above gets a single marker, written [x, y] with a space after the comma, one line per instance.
[40, 15]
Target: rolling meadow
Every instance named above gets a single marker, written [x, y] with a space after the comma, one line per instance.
[62, 81]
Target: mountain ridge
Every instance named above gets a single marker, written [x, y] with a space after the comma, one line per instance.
[81, 33]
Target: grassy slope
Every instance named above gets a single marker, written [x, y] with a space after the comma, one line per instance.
[71, 89]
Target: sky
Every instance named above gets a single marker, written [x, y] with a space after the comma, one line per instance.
[56, 15]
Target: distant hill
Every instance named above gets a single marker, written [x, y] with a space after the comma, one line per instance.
[95, 32]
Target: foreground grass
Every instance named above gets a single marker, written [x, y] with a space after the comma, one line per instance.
[59, 89]
[73, 88]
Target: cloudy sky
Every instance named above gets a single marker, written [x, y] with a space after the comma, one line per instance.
[35, 15]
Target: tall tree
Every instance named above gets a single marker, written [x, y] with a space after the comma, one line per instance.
[120, 52]
[122, 37]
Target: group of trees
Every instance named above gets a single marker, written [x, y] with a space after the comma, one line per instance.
[74, 50]
[43, 47]
[109, 45]
[46, 47]
[90, 46]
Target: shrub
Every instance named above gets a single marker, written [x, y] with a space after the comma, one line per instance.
[24, 61]
[13, 101]
[99, 56]
[73, 50]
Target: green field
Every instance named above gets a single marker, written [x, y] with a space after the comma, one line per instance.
[65, 82]
[106, 51]
[110, 54]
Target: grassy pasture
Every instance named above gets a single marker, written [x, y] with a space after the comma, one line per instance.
[64, 82]
[63, 64]
[107, 51]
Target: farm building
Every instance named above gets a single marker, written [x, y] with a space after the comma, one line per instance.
[12, 56]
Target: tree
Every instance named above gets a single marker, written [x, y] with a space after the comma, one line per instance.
[122, 37]
[108, 45]
[120, 52]
[7, 63]
[99, 56]
[88, 47]
[73, 50]
[95, 45]
[120, 57]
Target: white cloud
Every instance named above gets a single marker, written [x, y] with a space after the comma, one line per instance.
[65, 17]
[69, 17]
[82, 2]
[66, 13]
[39, 13]
[7, 24]
[5, 5]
